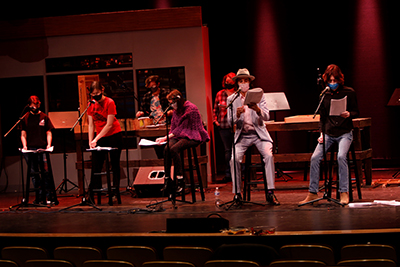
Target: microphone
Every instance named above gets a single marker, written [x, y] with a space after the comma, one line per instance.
[92, 101]
[324, 91]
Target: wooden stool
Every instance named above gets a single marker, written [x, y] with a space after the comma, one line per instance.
[334, 149]
[110, 189]
[191, 168]
[247, 176]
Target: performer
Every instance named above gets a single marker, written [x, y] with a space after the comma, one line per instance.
[220, 119]
[338, 129]
[101, 117]
[153, 104]
[155, 101]
[187, 130]
[35, 134]
[250, 130]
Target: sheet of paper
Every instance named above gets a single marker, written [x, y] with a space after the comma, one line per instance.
[338, 106]
[360, 204]
[99, 148]
[387, 202]
[50, 149]
[254, 96]
[145, 142]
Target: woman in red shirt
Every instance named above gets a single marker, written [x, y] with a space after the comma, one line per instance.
[101, 116]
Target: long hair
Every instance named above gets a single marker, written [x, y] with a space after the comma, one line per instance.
[333, 70]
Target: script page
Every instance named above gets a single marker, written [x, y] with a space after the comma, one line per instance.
[254, 96]
[338, 106]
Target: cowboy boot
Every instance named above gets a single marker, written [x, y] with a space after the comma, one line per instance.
[310, 197]
[344, 198]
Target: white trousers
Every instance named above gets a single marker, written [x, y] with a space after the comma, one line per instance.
[265, 149]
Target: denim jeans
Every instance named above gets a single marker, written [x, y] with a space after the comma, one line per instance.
[344, 142]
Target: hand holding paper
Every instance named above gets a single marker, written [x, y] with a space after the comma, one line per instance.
[338, 106]
[254, 96]
[145, 142]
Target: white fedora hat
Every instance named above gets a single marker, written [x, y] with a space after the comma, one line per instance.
[243, 73]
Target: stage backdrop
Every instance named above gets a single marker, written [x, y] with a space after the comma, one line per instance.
[155, 38]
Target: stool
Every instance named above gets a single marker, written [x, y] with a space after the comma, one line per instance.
[247, 175]
[110, 189]
[43, 175]
[356, 174]
[191, 168]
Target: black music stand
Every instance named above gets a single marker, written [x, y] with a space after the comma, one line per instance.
[84, 200]
[395, 102]
[277, 102]
[64, 120]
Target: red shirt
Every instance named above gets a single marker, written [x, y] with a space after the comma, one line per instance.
[220, 110]
[100, 111]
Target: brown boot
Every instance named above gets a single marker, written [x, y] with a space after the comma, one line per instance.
[344, 198]
[310, 197]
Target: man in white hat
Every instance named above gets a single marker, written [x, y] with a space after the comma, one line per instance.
[250, 130]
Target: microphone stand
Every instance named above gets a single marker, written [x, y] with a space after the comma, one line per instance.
[237, 200]
[171, 187]
[328, 181]
[84, 200]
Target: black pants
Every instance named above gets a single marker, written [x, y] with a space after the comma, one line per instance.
[44, 186]
[98, 158]
[227, 140]
[176, 146]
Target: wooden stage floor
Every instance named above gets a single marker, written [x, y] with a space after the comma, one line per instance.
[133, 218]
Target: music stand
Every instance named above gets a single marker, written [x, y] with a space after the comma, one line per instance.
[64, 120]
[395, 98]
[394, 102]
[277, 101]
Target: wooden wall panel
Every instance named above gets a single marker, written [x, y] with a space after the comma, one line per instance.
[102, 23]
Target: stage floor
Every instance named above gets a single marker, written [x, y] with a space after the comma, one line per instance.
[132, 216]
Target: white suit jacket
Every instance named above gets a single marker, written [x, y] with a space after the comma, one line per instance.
[258, 121]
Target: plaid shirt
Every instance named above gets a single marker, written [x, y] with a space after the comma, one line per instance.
[219, 111]
[145, 103]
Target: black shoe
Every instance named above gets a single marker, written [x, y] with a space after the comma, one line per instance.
[167, 184]
[39, 202]
[271, 199]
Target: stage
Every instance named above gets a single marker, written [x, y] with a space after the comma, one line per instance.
[132, 223]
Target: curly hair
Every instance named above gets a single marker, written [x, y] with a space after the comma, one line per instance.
[231, 74]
